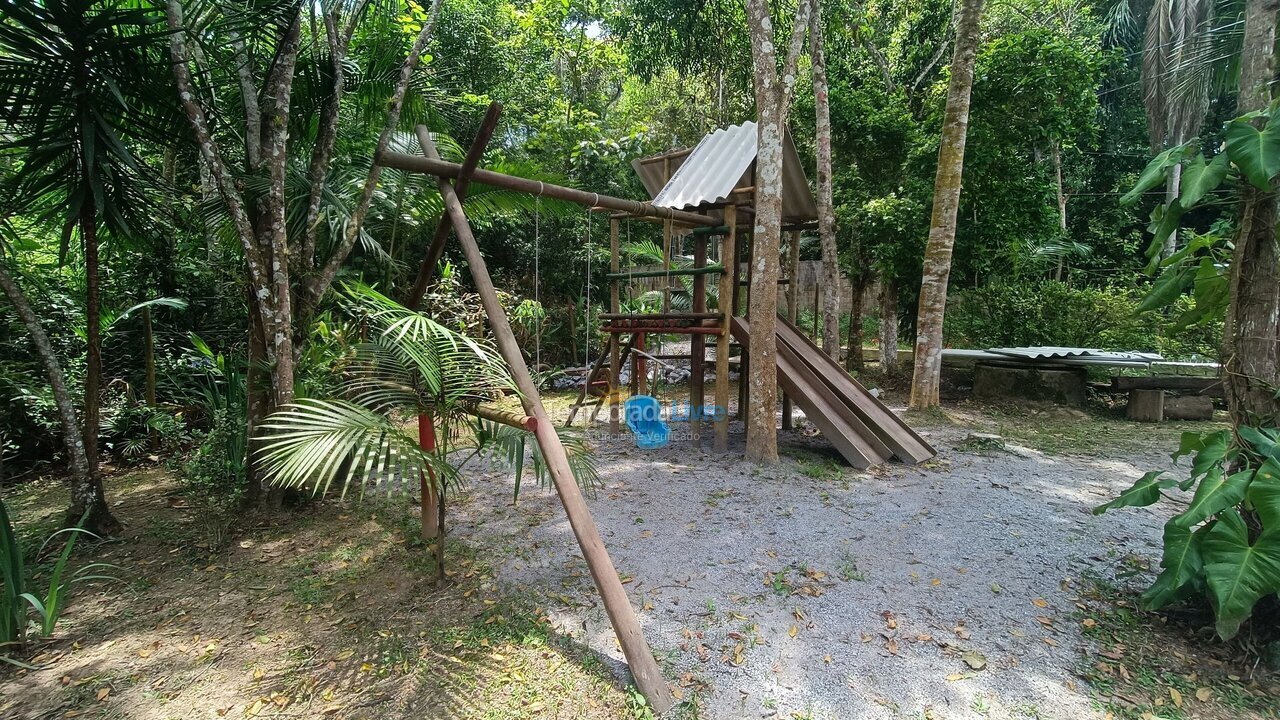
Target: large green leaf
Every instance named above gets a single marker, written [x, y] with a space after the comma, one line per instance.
[1200, 179]
[1216, 492]
[1238, 574]
[1182, 565]
[1144, 492]
[1153, 175]
[1256, 152]
[1264, 494]
[1265, 442]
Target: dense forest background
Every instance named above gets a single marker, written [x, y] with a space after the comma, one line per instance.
[1045, 252]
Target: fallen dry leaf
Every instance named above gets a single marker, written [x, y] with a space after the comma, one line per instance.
[974, 659]
[103, 694]
[1204, 694]
[1040, 603]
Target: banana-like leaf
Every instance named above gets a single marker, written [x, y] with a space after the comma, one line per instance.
[1182, 563]
[314, 443]
[1142, 493]
[1239, 573]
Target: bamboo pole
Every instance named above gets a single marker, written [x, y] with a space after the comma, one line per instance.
[621, 615]
[449, 170]
[436, 250]
[726, 294]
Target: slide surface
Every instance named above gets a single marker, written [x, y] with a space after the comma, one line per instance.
[854, 421]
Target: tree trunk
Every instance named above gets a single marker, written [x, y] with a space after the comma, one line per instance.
[773, 92]
[888, 325]
[853, 358]
[946, 202]
[826, 212]
[1172, 189]
[86, 489]
[1056, 151]
[93, 328]
[1252, 331]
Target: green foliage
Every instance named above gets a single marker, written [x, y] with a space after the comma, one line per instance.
[19, 599]
[1054, 313]
[1225, 544]
[214, 477]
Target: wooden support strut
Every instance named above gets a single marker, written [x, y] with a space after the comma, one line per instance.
[449, 170]
[725, 297]
[436, 250]
[618, 606]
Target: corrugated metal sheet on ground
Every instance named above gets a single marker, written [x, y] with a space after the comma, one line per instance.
[720, 162]
[1062, 353]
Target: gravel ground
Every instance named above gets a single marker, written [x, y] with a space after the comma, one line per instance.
[811, 590]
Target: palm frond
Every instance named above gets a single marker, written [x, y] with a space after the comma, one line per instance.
[315, 443]
[506, 447]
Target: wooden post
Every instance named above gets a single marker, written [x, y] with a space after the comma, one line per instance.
[793, 292]
[430, 502]
[744, 361]
[1146, 405]
[614, 339]
[436, 250]
[727, 291]
[618, 606]
[698, 344]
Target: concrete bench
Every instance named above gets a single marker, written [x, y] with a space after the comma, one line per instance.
[1150, 399]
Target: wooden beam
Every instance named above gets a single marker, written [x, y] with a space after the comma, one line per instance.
[444, 169]
[436, 250]
[505, 417]
[618, 606]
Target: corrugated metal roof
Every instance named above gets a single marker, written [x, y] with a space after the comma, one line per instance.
[1053, 353]
[721, 161]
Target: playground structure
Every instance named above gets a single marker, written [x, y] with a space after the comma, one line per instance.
[716, 179]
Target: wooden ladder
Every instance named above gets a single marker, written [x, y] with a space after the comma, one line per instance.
[595, 387]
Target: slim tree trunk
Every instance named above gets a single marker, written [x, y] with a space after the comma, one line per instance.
[888, 325]
[853, 357]
[1172, 190]
[826, 212]
[86, 489]
[1252, 331]
[773, 91]
[1056, 150]
[946, 202]
[93, 328]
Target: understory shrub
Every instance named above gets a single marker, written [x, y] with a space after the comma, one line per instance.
[1225, 544]
[1054, 313]
[214, 478]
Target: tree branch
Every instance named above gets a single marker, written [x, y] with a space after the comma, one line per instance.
[249, 94]
[209, 150]
[326, 136]
[320, 284]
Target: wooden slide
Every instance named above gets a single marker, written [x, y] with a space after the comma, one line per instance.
[853, 420]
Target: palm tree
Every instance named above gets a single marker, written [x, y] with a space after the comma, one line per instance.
[411, 365]
[76, 90]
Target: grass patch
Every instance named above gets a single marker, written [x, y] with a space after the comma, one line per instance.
[1145, 664]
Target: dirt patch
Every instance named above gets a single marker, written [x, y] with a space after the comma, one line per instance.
[328, 611]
